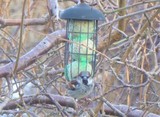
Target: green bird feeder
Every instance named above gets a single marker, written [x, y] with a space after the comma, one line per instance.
[81, 31]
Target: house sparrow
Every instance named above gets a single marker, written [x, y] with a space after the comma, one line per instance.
[81, 86]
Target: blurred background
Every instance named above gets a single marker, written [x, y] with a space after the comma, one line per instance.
[128, 65]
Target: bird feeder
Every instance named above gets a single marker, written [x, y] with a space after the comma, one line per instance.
[81, 32]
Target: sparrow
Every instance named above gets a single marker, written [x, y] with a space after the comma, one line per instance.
[81, 86]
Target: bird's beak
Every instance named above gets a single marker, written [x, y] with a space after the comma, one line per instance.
[85, 78]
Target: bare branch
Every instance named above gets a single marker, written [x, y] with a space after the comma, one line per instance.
[129, 111]
[41, 99]
[70, 102]
[29, 58]
[27, 22]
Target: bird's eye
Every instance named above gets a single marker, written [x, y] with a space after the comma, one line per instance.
[83, 77]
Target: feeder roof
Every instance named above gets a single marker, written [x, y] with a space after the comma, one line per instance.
[82, 11]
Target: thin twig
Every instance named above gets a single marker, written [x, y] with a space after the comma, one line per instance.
[20, 40]
[114, 108]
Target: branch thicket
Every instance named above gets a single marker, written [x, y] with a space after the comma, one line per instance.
[127, 71]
